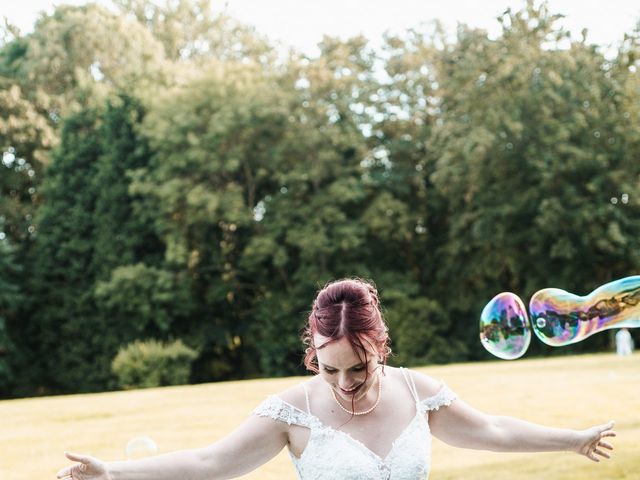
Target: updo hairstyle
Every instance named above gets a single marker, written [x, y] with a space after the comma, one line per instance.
[347, 308]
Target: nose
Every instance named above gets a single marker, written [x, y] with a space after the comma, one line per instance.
[345, 381]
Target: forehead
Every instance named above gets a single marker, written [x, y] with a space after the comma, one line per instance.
[338, 353]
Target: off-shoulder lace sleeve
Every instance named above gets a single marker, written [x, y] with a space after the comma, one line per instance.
[443, 398]
[276, 408]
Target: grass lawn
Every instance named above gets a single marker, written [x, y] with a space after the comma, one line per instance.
[574, 392]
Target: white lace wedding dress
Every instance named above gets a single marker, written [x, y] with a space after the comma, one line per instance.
[332, 454]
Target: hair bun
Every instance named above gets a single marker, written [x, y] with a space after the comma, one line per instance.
[347, 308]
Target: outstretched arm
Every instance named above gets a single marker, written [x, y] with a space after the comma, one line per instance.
[461, 425]
[252, 444]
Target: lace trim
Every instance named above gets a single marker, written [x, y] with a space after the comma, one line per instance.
[443, 398]
[276, 408]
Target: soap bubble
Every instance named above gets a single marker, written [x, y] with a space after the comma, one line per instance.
[504, 327]
[561, 318]
[140, 447]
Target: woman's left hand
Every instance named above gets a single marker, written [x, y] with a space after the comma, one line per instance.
[591, 442]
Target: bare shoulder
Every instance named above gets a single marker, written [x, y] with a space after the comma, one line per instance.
[426, 385]
[295, 395]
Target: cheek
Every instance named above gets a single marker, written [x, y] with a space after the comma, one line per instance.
[327, 378]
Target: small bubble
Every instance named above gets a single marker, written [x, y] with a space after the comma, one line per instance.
[586, 104]
[541, 322]
[625, 198]
[596, 134]
[140, 447]
[2, 236]
[509, 146]
[283, 190]
[614, 200]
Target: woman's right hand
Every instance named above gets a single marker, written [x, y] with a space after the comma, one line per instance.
[86, 468]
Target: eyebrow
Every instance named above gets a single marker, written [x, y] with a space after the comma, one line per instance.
[361, 364]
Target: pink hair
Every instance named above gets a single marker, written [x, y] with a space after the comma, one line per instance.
[350, 309]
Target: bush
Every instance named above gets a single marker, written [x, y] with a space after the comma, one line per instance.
[153, 364]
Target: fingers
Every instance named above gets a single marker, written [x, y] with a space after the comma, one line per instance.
[65, 472]
[598, 448]
[590, 453]
[607, 426]
[606, 445]
[77, 458]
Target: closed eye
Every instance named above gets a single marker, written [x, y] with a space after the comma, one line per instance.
[331, 371]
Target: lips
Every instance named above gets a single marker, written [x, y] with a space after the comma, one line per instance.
[351, 391]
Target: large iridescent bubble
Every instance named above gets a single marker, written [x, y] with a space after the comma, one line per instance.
[504, 327]
[561, 318]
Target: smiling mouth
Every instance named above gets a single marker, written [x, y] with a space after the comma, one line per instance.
[350, 391]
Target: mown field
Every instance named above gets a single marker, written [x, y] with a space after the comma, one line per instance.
[571, 392]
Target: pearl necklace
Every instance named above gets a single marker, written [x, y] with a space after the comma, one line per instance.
[364, 412]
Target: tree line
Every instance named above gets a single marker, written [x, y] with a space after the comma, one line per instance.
[168, 173]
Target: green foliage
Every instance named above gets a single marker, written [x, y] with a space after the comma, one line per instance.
[10, 298]
[86, 228]
[122, 236]
[60, 265]
[80, 53]
[188, 30]
[530, 175]
[142, 300]
[418, 328]
[213, 199]
[153, 364]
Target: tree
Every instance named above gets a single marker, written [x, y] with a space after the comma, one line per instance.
[61, 330]
[10, 298]
[215, 140]
[190, 31]
[88, 233]
[532, 146]
[123, 235]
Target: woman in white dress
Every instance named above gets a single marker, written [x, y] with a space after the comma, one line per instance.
[357, 419]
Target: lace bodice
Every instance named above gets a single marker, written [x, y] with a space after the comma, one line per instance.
[333, 454]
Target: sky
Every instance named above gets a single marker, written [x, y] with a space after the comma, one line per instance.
[302, 23]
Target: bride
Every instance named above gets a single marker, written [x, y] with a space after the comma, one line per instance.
[357, 419]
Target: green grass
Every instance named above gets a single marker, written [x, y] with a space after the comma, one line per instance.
[574, 392]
